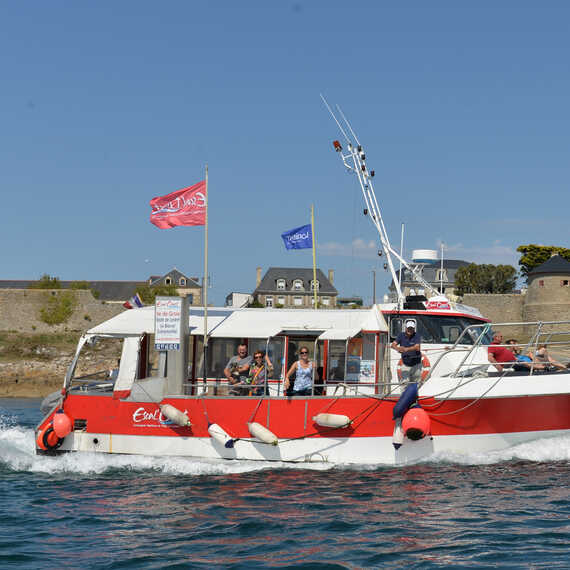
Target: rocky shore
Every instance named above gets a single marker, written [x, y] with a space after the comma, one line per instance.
[31, 379]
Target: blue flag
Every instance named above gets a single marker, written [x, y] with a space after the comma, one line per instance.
[298, 238]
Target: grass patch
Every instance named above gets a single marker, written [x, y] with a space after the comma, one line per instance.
[17, 346]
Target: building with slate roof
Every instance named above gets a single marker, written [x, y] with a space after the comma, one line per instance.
[548, 294]
[434, 275]
[121, 291]
[293, 287]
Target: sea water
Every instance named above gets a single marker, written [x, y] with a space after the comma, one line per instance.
[508, 509]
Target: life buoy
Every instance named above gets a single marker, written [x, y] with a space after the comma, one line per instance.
[426, 365]
[47, 439]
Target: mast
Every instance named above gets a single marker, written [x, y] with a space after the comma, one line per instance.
[355, 161]
[205, 288]
[314, 258]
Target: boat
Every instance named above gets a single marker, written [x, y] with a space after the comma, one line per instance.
[174, 399]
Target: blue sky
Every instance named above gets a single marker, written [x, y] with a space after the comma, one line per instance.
[462, 109]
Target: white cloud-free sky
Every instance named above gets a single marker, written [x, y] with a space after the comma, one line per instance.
[462, 109]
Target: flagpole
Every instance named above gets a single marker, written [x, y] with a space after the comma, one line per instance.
[314, 256]
[205, 290]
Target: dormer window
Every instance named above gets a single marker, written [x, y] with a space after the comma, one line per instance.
[314, 285]
[441, 275]
[182, 281]
[281, 284]
[298, 285]
[168, 281]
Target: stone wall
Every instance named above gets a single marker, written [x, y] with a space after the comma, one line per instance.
[20, 311]
[507, 308]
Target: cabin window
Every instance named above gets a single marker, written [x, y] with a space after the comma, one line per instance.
[96, 360]
[220, 350]
[336, 361]
[298, 301]
[281, 284]
[298, 285]
[269, 301]
[441, 329]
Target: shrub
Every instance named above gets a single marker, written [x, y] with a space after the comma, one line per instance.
[57, 309]
[46, 282]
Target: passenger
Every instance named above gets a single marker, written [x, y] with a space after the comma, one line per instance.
[303, 369]
[541, 356]
[257, 379]
[114, 372]
[237, 371]
[500, 356]
[408, 344]
[523, 361]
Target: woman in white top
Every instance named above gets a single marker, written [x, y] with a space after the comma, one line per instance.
[303, 369]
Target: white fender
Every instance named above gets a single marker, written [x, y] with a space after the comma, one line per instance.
[175, 415]
[221, 436]
[332, 420]
[262, 433]
[398, 436]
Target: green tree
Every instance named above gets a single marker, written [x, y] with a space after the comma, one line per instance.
[46, 281]
[485, 278]
[148, 294]
[535, 255]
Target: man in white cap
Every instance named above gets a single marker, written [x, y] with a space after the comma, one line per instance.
[408, 344]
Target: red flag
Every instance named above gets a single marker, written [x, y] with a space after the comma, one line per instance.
[185, 207]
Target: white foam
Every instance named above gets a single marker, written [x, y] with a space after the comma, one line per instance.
[539, 451]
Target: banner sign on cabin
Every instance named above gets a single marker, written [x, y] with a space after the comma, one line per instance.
[167, 316]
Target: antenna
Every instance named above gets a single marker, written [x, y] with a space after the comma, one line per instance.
[335, 119]
[355, 161]
[349, 125]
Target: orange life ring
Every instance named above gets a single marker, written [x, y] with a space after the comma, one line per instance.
[426, 365]
[47, 439]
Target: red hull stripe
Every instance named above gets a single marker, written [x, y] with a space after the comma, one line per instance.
[371, 418]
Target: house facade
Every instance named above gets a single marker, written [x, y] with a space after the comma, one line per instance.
[185, 286]
[294, 287]
[440, 278]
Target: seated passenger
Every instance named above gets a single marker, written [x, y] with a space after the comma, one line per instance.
[541, 356]
[257, 379]
[237, 370]
[498, 355]
[523, 362]
[303, 370]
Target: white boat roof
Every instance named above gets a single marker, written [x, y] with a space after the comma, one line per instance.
[252, 323]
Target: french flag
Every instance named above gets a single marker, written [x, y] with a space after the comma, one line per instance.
[133, 302]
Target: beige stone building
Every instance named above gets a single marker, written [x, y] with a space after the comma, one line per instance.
[293, 287]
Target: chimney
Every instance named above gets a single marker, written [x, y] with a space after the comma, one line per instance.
[331, 276]
[258, 277]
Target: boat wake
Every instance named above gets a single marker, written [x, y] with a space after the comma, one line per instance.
[17, 454]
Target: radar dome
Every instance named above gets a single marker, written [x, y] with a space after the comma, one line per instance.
[424, 256]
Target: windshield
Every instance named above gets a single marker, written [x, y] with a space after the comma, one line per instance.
[443, 329]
